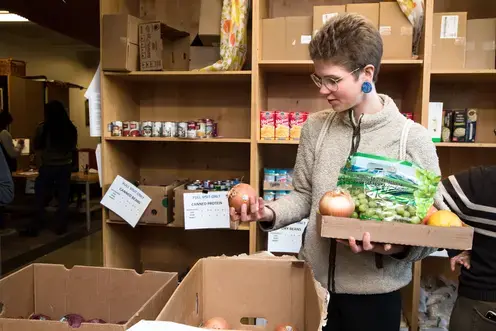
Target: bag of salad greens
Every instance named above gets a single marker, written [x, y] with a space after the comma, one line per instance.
[386, 189]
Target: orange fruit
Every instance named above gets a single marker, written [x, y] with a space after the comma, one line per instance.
[444, 218]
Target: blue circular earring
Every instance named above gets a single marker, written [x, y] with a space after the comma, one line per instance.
[366, 87]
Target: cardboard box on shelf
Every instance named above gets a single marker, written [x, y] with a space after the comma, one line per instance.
[120, 42]
[162, 47]
[159, 210]
[449, 40]
[396, 32]
[209, 26]
[321, 14]
[435, 120]
[481, 44]
[114, 295]
[175, 13]
[279, 290]
[368, 10]
[286, 38]
[202, 56]
[397, 233]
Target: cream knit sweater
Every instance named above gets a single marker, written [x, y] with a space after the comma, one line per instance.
[316, 172]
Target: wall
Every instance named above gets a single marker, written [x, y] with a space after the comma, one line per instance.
[56, 57]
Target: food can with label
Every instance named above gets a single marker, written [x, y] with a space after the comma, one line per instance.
[214, 130]
[174, 129]
[182, 128]
[125, 129]
[134, 129]
[209, 128]
[156, 129]
[200, 129]
[191, 131]
[146, 129]
[167, 129]
[117, 129]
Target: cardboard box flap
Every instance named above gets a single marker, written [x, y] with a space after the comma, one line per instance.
[17, 293]
[210, 20]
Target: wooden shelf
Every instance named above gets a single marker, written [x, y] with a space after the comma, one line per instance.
[180, 140]
[182, 76]
[464, 75]
[306, 66]
[279, 142]
[241, 227]
[467, 145]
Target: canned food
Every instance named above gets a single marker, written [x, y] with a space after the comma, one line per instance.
[206, 184]
[182, 128]
[209, 127]
[214, 130]
[200, 129]
[191, 187]
[156, 129]
[134, 129]
[167, 129]
[146, 129]
[117, 129]
[109, 127]
[269, 196]
[125, 129]
[191, 131]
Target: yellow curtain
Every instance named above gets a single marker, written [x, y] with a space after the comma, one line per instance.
[233, 36]
[414, 11]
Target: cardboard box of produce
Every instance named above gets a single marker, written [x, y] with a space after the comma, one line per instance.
[240, 289]
[368, 10]
[396, 31]
[397, 233]
[286, 38]
[113, 295]
[159, 210]
[202, 56]
[120, 42]
[449, 40]
[481, 44]
[321, 14]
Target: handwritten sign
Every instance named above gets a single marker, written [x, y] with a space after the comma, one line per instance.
[126, 200]
[206, 211]
[287, 239]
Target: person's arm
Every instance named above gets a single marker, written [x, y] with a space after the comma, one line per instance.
[422, 151]
[8, 144]
[6, 183]
[296, 205]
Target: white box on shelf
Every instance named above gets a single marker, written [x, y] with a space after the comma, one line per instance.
[435, 120]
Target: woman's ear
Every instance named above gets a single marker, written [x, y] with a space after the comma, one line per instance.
[368, 71]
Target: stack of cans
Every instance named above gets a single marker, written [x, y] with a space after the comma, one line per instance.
[203, 128]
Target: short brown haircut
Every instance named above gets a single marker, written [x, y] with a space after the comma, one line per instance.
[349, 40]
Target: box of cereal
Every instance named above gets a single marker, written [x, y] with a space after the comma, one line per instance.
[296, 121]
[267, 125]
[282, 125]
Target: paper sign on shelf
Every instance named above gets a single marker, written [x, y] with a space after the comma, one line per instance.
[126, 200]
[287, 239]
[94, 104]
[206, 210]
[98, 154]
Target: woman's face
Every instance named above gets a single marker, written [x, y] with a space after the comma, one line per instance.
[347, 92]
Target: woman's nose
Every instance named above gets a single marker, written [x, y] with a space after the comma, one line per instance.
[324, 90]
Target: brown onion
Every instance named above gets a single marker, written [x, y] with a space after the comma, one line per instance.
[285, 327]
[336, 203]
[39, 317]
[216, 323]
[240, 195]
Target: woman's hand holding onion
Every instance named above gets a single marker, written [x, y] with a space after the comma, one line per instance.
[255, 212]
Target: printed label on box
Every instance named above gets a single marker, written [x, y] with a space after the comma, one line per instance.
[206, 211]
[449, 27]
[385, 30]
[287, 239]
[305, 39]
[488, 46]
[327, 17]
[460, 41]
[406, 30]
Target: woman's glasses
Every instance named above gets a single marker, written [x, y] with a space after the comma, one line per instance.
[332, 84]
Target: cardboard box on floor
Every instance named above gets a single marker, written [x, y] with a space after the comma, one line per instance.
[120, 42]
[481, 44]
[286, 38]
[449, 40]
[277, 289]
[321, 14]
[368, 10]
[396, 32]
[111, 294]
[159, 211]
[397, 233]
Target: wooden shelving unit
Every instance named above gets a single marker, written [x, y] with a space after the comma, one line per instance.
[235, 100]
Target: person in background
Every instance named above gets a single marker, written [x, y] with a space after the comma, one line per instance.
[471, 195]
[55, 141]
[364, 278]
[11, 152]
[6, 183]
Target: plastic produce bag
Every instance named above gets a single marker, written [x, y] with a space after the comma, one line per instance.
[386, 189]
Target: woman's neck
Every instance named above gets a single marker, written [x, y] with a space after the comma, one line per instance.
[371, 104]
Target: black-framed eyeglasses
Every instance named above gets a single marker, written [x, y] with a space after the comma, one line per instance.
[329, 83]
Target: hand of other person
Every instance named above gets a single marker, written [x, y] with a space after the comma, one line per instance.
[462, 259]
[368, 246]
[258, 212]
